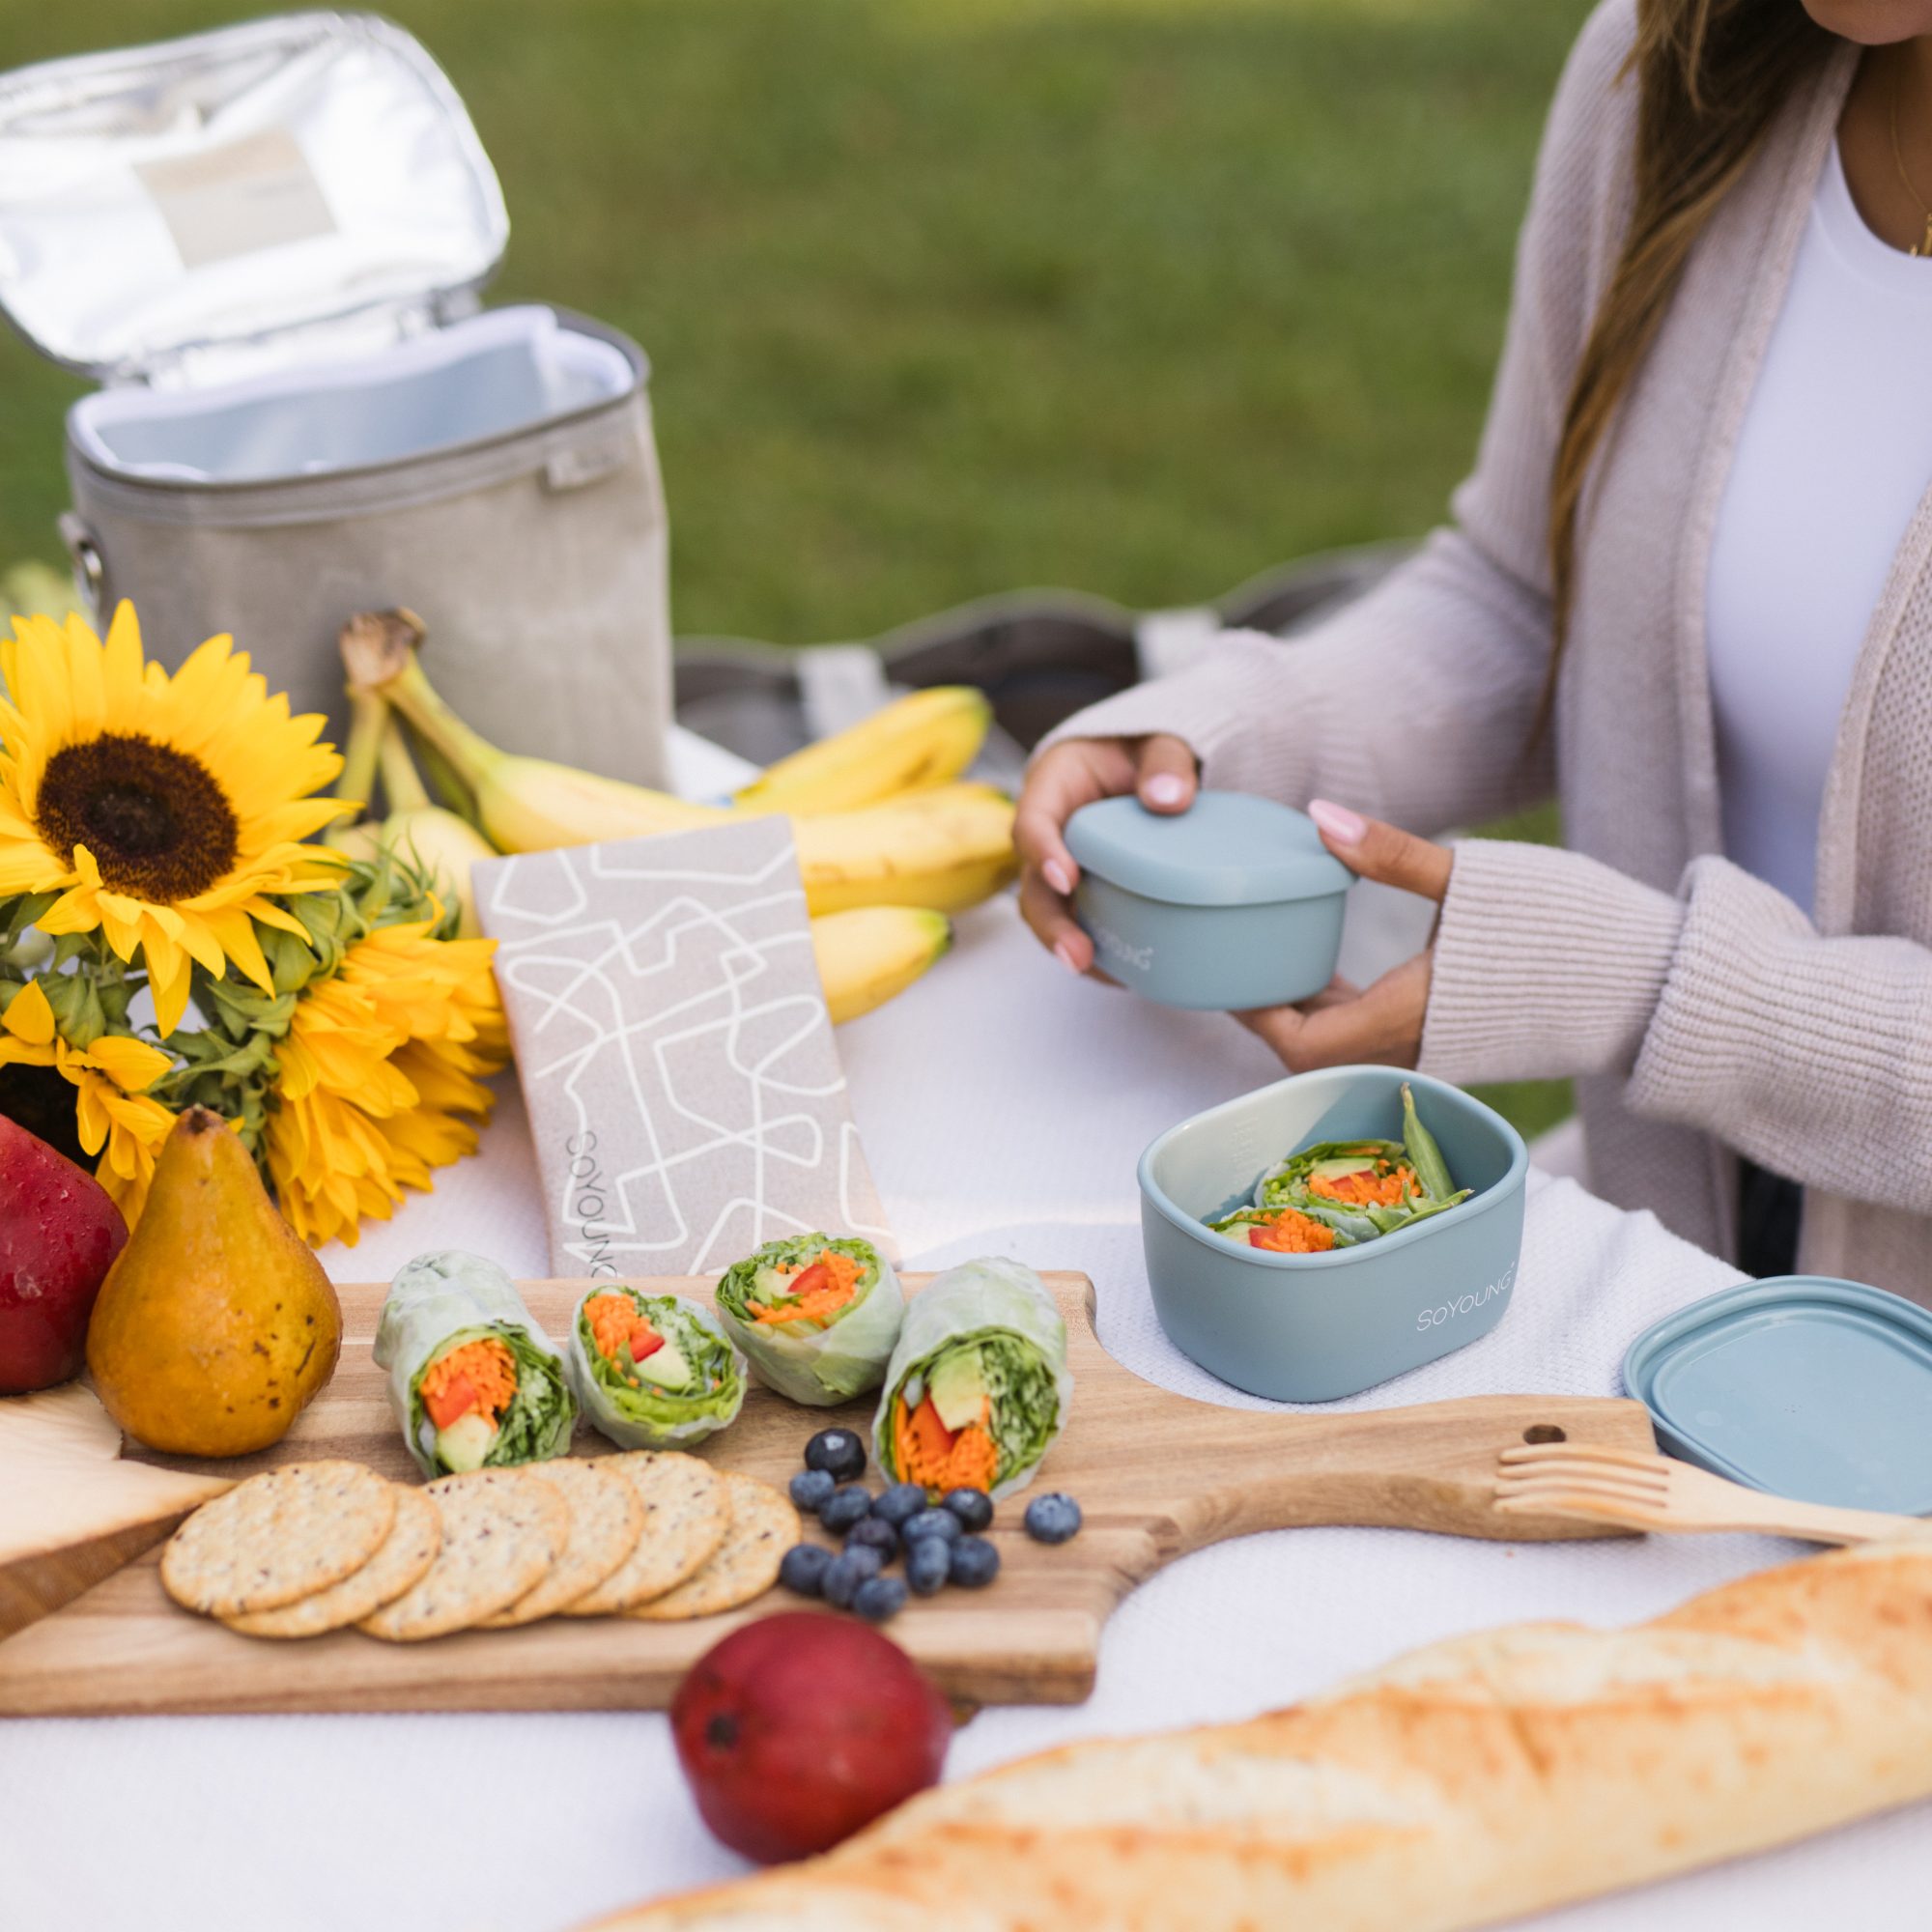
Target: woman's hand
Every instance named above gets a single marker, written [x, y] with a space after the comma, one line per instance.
[1345, 1024]
[1161, 769]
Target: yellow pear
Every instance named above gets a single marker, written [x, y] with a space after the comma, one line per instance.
[215, 1326]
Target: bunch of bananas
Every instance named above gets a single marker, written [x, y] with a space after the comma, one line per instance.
[890, 840]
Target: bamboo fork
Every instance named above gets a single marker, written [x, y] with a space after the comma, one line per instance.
[1641, 1491]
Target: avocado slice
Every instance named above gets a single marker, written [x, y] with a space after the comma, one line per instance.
[665, 1367]
[959, 1387]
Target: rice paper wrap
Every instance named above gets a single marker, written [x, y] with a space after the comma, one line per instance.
[436, 1303]
[1004, 1310]
[643, 1415]
[818, 1363]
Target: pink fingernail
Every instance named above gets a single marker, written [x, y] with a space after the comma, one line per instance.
[1055, 874]
[1063, 953]
[1164, 788]
[1344, 827]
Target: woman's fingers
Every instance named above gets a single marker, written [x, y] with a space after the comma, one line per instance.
[1378, 851]
[1381, 1026]
[1071, 775]
[1053, 926]
[1169, 776]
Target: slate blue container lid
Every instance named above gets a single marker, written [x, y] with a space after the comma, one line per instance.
[1800, 1386]
[1227, 848]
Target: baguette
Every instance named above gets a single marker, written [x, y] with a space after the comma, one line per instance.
[1473, 1781]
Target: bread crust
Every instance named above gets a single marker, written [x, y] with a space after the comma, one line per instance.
[1473, 1781]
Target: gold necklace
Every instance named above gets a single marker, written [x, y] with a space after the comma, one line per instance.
[1905, 181]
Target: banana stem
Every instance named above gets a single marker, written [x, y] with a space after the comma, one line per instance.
[472, 757]
[368, 719]
[402, 783]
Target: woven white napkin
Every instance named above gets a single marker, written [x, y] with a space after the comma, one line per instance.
[685, 1097]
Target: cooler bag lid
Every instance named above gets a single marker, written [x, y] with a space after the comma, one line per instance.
[295, 188]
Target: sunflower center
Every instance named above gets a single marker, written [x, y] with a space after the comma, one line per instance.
[160, 826]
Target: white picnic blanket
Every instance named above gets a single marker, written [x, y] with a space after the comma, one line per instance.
[1003, 1105]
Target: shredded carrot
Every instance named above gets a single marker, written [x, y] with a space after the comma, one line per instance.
[1363, 1189]
[822, 1289]
[485, 1365]
[614, 1323]
[1288, 1232]
[927, 1452]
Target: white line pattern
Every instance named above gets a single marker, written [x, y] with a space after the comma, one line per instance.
[674, 1050]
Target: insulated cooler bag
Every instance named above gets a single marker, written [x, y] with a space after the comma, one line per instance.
[267, 244]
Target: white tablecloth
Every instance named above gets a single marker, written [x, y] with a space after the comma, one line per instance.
[1003, 1105]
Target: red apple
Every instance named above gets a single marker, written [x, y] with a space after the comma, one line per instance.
[799, 1728]
[59, 1233]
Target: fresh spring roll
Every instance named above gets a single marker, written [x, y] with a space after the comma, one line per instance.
[1358, 1190]
[653, 1371]
[817, 1317]
[978, 1387]
[474, 1381]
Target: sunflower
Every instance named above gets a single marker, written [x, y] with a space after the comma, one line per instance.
[112, 1108]
[378, 1063]
[160, 809]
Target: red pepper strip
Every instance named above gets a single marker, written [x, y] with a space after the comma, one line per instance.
[456, 1398]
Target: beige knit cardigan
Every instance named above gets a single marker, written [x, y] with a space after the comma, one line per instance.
[1702, 1013]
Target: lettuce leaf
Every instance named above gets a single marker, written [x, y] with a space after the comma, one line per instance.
[818, 1363]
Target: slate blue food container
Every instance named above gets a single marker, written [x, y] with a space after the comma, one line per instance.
[1317, 1327]
[1232, 903]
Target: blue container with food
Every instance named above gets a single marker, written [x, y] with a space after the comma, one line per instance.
[1801, 1387]
[1314, 1327]
[1232, 903]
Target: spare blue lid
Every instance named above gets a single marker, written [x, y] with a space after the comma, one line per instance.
[1227, 848]
[1801, 1387]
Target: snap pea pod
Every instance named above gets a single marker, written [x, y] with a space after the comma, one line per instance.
[1431, 1169]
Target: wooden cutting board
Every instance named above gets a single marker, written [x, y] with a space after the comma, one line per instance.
[1156, 1474]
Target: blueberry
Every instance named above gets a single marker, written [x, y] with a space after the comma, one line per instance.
[844, 1573]
[973, 1507]
[804, 1568]
[809, 1490]
[928, 1563]
[935, 1522]
[974, 1563]
[870, 1533]
[1052, 1519]
[900, 1501]
[838, 1452]
[842, 1508]
[879, 1597]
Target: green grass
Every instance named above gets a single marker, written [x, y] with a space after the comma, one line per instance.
[948, 296]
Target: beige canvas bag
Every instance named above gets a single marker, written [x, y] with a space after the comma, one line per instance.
[266, 242]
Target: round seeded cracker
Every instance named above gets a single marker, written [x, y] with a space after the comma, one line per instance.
[764, 1525]
[687, 1511]
[280, 1535]
[501, 1530]
[606, 1521]
[405, 1557]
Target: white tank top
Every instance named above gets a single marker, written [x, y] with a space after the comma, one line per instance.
[1834, 455]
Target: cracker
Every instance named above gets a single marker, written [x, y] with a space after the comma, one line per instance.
[764, 1525]
[280, 1535]
[501, 1530]
[405, 1557]
[606, 1521]
[687, 1511]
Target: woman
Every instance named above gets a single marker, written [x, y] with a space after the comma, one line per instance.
[1689, 588]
